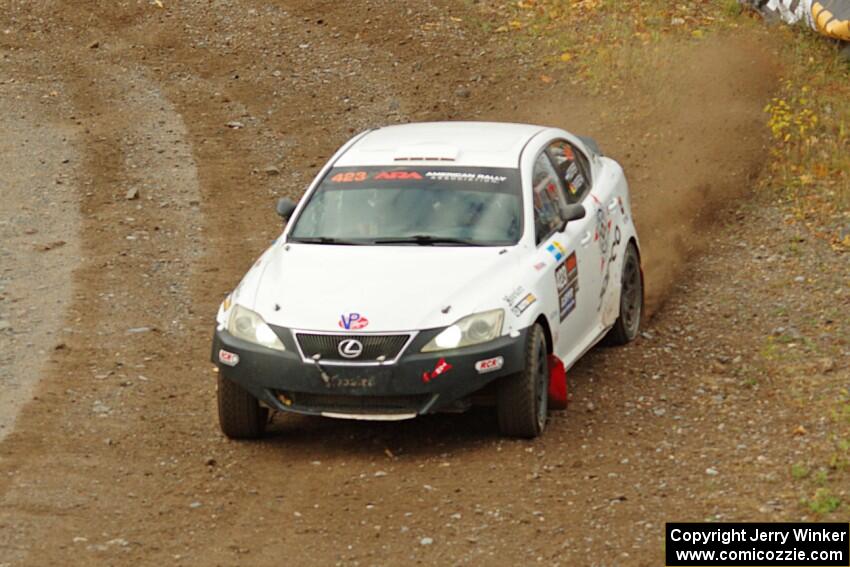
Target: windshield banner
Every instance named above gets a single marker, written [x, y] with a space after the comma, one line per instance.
[503, 180]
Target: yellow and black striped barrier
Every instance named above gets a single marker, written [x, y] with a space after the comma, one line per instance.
[829, 17]
[832, 18]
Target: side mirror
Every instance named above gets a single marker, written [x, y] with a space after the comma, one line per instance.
[571, 213]
[285, 207]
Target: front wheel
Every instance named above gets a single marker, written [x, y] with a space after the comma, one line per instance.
[240, 414]
[627, 325]
[522, 399]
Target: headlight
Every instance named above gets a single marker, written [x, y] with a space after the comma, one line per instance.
[246, 325]
[472, 330]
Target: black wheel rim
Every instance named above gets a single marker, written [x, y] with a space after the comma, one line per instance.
[631, 302]
[542, 379]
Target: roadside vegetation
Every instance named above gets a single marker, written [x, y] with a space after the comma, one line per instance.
[810, 122]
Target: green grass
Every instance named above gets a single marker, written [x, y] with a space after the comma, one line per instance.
[732, 8]
[799, 471]
[823, 502]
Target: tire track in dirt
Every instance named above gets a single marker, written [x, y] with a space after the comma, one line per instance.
[39, 224]
[140, 198]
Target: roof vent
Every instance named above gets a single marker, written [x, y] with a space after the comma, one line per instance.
[423, 158]
[428, 152]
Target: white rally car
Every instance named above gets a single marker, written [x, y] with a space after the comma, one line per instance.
[429, 267]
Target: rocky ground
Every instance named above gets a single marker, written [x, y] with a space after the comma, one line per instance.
[182, 123]
[39, 242]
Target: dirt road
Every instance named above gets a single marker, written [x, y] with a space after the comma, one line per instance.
[39, 243]
[184, 123]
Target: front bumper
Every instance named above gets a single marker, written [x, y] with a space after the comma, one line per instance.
[404, 389]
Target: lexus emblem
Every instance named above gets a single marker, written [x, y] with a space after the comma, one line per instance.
[350, 348]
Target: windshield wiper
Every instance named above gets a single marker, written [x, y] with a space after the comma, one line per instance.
[427, 240]
[329, 240]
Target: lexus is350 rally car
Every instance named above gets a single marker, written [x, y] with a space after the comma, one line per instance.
[429, 267]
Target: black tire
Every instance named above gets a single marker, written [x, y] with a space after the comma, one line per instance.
[627, 325]
[240, 414]
[522, 399]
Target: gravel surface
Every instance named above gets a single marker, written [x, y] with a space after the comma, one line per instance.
[185, 123]
[39, 240]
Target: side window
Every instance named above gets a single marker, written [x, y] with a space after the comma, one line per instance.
[573, 169]
[549, 199]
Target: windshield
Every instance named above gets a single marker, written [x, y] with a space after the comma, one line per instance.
[413, 205]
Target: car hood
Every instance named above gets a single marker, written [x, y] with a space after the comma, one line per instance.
[394, 288]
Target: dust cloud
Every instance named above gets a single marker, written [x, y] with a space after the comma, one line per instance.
[689, 128]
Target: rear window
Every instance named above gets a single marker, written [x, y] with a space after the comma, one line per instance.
[480, 206]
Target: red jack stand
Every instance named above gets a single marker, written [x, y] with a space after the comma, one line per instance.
[557, 383]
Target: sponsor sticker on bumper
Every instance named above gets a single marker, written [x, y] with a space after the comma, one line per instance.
[441, 368]
[228, 358]
[489, 365]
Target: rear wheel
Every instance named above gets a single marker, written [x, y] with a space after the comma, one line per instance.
[522, 399]
[240, 414]
[626, 327]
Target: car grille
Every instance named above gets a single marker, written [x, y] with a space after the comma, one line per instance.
[373, 346]
[358, 404]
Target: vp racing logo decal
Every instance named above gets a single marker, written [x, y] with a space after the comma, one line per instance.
[350, 348]
[353, 321]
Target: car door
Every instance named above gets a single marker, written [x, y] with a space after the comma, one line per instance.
[609, 217]
[580, 276]
[599, 196]
[567, 259]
